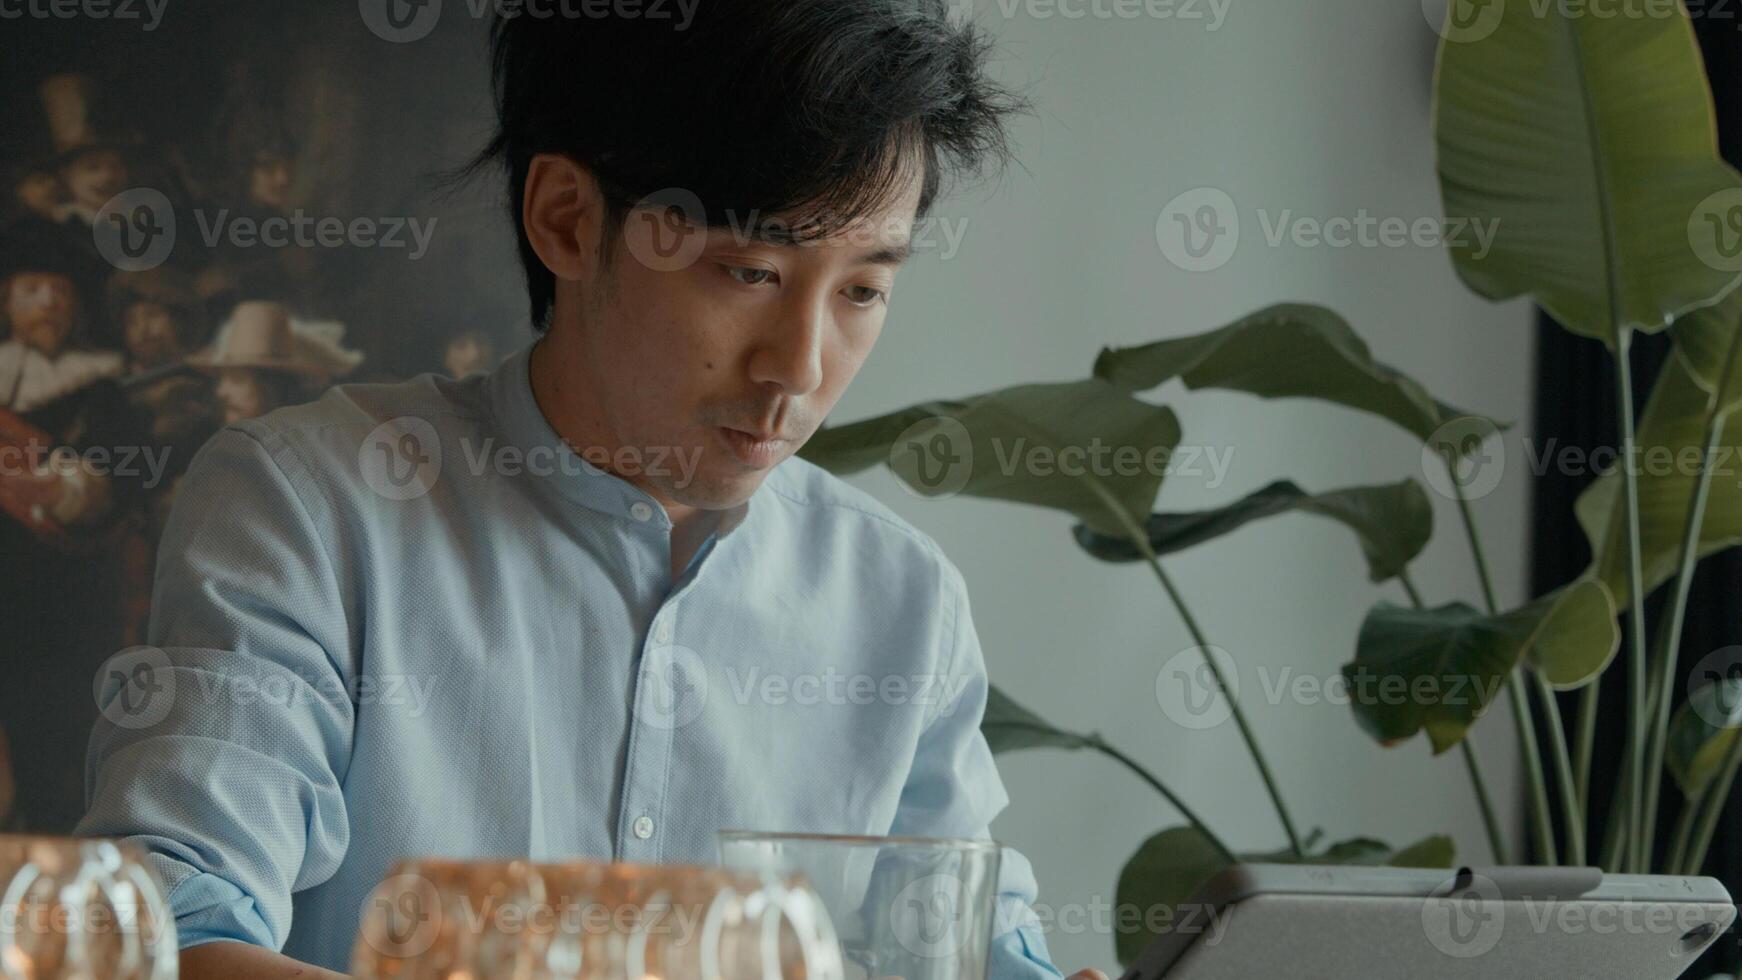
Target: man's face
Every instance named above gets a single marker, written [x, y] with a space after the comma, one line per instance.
[716, 371]
[94, 177]
[40, 192]
[243, 394]
[269, 181]
[152, 338]
[41, 307]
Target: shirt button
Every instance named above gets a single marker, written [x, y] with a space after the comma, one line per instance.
[662, 631]
[643, 827]
[640, 510]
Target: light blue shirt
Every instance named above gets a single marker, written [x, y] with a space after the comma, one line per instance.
[407, 620]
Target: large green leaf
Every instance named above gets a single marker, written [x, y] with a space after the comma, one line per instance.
[1671, 437]
[1169, 868]
[1437, 670]
[1082, 447]
[1703, 340]
[1009, 727]
[1587, 145]
[1292, 350]
[1392, 521]
[1702, 733]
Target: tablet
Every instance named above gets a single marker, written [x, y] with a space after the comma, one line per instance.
[1348, 923]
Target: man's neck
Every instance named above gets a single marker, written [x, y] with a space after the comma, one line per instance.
[690, 526]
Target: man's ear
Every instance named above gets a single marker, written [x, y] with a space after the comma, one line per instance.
[563, 211]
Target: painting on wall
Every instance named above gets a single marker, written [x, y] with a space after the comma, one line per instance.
[223, 215]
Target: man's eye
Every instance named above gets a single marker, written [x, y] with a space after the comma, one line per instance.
[864, 295]
[750, 275]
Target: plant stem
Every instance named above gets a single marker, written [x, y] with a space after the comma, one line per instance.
[1589, 697]
[1245, 726]
[1098, 744]
[1527, 742]
[1637, 678]
[1713, 807]
[1614, 857]
[1140, 539]
[1496, 841]
[1533, 766]
[1572, 815]
[1684, 827]
[1669, 638]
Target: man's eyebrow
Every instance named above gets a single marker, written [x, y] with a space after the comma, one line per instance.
[891, 254]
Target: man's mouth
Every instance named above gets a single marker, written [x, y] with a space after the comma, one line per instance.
[757, 450]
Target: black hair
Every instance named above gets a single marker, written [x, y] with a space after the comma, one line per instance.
[809, 110]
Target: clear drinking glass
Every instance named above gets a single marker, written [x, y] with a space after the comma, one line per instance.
[918, 908]
[447, 920]
[81, 910]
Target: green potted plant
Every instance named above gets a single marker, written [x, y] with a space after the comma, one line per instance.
[1588, 144]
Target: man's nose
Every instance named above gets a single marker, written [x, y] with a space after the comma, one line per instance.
[791, 355]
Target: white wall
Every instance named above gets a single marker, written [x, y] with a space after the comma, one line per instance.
[1321, 108]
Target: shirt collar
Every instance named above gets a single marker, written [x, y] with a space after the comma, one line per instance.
[546, 457]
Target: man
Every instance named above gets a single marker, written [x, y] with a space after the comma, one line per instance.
[42, 357]
[531, 612]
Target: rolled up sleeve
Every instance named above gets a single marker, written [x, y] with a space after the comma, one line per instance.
[954, 790]
[221, 747]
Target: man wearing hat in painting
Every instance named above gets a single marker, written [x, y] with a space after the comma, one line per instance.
[45, 316]
[263, 358]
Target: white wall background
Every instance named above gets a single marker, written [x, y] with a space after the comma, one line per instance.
[1321, 108]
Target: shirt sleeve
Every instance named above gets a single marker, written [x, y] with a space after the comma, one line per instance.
[954, 790]
[221, 747]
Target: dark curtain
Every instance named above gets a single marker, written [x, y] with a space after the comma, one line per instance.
[1575, 406]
